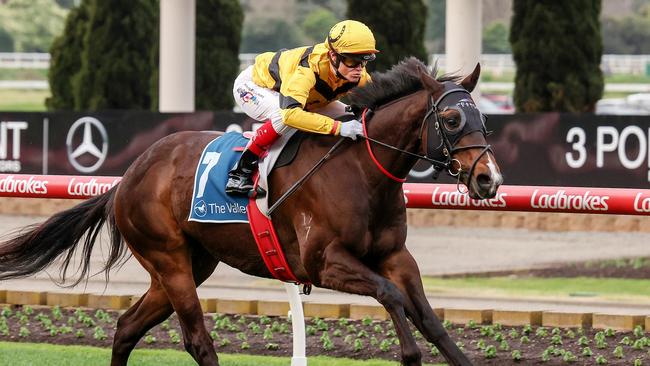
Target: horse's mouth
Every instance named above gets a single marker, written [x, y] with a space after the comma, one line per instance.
[481, 187]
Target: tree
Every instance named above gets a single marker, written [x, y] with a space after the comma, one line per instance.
[6, 41]
[116, 66]
[495, 38]
[67, 4]
[33, 24]
[557, 47]
[65, 60]
[269, 34]
[218, 34]
[317, 23]
[628, 35]
[398, 26]
[435, 26]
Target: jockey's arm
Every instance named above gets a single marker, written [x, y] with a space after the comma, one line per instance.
[293, 97]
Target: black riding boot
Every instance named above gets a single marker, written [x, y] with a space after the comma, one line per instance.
[240, 180]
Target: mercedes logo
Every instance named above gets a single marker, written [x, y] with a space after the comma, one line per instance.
[83, 155]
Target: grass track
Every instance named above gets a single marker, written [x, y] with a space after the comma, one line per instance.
[23, 100]
[603, 288]
[28, 354]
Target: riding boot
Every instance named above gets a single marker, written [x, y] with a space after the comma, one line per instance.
[240, 180]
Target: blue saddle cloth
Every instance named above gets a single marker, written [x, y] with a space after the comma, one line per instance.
[210, 203]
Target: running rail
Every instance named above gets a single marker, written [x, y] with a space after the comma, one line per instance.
[620, 201]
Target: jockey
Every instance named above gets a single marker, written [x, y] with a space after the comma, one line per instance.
[300, 88]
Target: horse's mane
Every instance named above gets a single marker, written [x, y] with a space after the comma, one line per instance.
[402, 79]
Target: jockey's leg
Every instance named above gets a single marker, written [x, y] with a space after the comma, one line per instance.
[240, 179]
[261, 104]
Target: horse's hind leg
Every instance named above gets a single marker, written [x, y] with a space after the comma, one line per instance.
[154, 307]
[402, 270]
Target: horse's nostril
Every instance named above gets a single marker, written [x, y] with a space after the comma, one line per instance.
[484, 180]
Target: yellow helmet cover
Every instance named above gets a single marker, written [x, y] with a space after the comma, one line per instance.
[351, 37]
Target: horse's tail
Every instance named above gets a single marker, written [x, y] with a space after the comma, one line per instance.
[37, 246]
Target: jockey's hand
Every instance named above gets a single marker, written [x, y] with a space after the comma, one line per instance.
[351, 129]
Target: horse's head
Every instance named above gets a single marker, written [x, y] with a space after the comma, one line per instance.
[456, 134]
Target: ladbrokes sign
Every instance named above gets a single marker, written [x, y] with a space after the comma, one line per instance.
[561, 200]
[458, 199]
[93, 187]
[531, 198]
[25, 186]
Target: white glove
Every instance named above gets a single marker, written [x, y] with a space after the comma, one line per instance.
[351, 129]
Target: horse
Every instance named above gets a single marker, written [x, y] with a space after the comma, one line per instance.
[344, 229]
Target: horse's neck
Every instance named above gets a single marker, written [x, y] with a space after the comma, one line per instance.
[396, 124]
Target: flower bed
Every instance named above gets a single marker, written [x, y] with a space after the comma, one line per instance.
[364, 339]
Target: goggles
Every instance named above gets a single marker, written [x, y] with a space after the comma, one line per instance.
[352, 63]
[352, 60]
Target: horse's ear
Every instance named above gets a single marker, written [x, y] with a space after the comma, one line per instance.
[429, 82]
[470, 81]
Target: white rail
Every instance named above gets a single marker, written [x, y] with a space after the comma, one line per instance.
[497, 63]
[20, 60]
[610, 64]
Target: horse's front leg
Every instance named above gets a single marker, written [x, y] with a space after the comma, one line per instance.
[342, 271]
[401, 269]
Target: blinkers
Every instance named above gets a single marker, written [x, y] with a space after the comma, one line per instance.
[441, 135]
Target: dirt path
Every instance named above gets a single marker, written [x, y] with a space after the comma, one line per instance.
[443, 250]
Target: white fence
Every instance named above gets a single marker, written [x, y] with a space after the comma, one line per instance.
[17, 60]
[497, 63]
[610, 64]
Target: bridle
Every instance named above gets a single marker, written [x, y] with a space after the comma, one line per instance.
[439, 154]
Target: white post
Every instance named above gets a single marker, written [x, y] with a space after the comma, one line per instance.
[177, 44]
[463, 36]
[298, 323]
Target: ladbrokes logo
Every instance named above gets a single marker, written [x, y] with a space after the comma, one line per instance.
[30, 185]
[560, 200]
[641, 204]
[90, 188]
[456, 198]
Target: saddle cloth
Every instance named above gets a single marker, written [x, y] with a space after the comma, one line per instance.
[210, 203]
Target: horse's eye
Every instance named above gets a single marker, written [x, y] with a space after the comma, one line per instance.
[451, 123]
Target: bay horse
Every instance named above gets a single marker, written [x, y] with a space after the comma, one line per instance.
[344, 229]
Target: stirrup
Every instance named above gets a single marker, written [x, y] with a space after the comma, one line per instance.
[238, 184]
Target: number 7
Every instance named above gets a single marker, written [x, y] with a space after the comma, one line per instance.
[211, 159]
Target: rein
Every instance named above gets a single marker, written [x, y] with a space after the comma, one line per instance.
[437, 163]
[300, 181]
[372, 155]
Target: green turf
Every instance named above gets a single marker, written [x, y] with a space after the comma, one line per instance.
[23, 100]
[24, 354]
[603, 288]
[23, 74]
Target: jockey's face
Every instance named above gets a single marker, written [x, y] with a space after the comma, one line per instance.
[350, 69]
